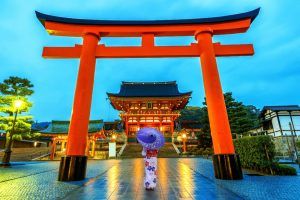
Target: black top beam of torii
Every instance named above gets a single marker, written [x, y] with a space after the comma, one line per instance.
[251, 14]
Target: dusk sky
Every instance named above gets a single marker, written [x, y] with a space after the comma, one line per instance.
[270, 77]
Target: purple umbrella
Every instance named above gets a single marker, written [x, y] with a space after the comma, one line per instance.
[150, 138]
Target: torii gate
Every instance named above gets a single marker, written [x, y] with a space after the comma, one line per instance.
[226, 162]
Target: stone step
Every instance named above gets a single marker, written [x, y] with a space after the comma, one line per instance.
[135, 151]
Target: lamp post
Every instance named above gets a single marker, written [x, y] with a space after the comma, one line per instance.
[113, 137]
[7, 153]
[183, 136]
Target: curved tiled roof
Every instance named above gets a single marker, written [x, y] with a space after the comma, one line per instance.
[251, 14]
[149, 89]
[62, 127]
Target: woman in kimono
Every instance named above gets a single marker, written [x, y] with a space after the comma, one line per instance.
[150, 168]
[151, 140]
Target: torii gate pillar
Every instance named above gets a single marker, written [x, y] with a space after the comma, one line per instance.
[73, 165]
[226, 162]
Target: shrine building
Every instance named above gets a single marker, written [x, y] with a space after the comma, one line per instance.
[57, 132]
[149, 104]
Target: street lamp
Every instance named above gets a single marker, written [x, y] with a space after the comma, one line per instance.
[17, 104]
[114, 137]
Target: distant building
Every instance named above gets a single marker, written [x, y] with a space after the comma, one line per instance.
[281, 120]
[149, 104]
[57, 133]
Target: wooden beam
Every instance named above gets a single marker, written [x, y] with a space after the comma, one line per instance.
[148, 51]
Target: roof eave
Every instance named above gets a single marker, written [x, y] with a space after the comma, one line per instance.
[247, 15]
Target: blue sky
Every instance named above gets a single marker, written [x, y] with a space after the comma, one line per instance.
[270, 77]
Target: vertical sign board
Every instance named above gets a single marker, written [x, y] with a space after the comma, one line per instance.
[112, 150]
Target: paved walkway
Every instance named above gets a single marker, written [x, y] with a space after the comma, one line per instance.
[123, 179]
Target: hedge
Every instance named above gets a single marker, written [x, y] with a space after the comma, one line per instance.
[257, 153]
[280, 169]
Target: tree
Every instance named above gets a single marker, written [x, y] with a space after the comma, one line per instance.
[16, 86]
[242, 118]
[198, 114]
[191, 113]
[204, 136]
[13, 102]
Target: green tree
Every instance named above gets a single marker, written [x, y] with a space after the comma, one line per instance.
[242, 118]
[204, 136]
[198, 114]
[14, 104]
[191, 113]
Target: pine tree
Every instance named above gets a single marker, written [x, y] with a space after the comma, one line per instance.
[13, 102]
[241, 118]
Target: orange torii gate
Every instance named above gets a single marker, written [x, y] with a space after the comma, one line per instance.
[226, 162]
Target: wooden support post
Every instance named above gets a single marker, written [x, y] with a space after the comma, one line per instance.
[226, 162]
[53, 149]
[73, 166]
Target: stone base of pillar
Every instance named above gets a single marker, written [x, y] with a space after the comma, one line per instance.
[227, 166]
[72, 168]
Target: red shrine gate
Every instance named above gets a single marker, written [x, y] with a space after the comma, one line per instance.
[226, 162]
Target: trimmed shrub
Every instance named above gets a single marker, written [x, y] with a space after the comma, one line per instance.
[280, 169]
[256, 153]
[199, 151]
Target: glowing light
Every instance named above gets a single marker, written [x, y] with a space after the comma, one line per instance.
[183, 136]
[179, 138]
[35, 144]
[114, 137]
[18, 103]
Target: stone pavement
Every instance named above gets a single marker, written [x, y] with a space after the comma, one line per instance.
[123, 179]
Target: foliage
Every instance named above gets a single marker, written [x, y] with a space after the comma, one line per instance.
[242, 118]
[191, 113]
[204, 136]
[200, 151]
[13, 89]
[298, 145]
[257, 153]
[281, 169]
[23, 122]
[16, 86]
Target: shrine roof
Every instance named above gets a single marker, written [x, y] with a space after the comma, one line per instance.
[246, 15]
[149, 89]
[62, 127]
[289, 108]
[282, 108]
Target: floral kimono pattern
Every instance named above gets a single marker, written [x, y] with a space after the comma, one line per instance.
[150, 168]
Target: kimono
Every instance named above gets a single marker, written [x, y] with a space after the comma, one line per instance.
[150, 168]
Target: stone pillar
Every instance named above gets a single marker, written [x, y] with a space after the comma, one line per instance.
[73, 166]
[226, 162]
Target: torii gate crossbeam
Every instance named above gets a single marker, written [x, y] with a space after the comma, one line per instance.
[226, 162]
